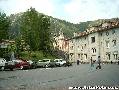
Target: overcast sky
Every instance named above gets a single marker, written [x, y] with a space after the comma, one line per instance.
[74, 11]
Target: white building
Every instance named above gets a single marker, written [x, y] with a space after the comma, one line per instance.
[96, 41]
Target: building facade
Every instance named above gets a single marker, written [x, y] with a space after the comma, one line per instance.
[102, 40]
[61, 42]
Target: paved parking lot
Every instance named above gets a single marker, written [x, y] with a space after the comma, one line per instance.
[59, 78]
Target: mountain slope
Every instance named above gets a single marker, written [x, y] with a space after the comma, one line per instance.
[57, 26]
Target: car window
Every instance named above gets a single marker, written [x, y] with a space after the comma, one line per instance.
[43, 60]
[56, 60]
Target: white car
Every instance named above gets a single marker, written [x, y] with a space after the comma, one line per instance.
[2, 63]
[6, 64]
[60, 62]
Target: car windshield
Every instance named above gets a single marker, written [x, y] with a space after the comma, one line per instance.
[58, 60]
[44, 60]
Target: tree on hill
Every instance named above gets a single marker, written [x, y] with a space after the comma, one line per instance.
[35, 30]
[4, 29]
[4, 26]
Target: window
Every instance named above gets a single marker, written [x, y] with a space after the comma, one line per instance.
[78, 48]
[71, 54]
[108, 55]
[85, 55]
[115, 56]
[100, 34]
[92, 39]
[71, 41]
[114, 42]
[81, 47]
[107, 44]
[71, 47]
[93, 50]
[107, 33]
[113, 31]
[85, 45]
[79, 56]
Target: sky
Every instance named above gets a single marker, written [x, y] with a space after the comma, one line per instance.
[74, 11]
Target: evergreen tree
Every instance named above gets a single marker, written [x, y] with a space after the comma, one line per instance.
[4, 26]
[35, 30]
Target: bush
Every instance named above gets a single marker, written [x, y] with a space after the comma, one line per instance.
[35, 55]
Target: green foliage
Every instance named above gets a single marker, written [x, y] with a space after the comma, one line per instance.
[61, 25]
[66, 27]
[83, 25]
[12, 48]
[14, 30]
[55, 24]
[4, 26]
[35, 55]
[35, 30]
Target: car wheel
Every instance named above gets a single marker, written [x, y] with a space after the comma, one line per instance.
[2, 68]
[11, 69]
[34, 67]
[21, 67]
[46, 66]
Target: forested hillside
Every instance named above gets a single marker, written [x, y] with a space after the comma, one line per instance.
[56, 25]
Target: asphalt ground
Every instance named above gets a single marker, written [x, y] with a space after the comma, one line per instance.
[60, 78]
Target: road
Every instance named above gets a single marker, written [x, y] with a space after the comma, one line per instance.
[59, 78]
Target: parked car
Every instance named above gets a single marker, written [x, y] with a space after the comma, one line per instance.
[6, 64]
[46, 63]
[2, 63]
[33, 64]
[21, 64]
[68, 64]
[60, 62]
[43, 63]
[52, 63]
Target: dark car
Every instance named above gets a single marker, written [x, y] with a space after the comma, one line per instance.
[68, 64]
[10, 65]
[21, 64]
[33, 64]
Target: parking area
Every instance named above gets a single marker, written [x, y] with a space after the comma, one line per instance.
[60, 78]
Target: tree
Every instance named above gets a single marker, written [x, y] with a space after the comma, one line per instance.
[4, 30]
[4, 26]
[45, 34]
[35, 30]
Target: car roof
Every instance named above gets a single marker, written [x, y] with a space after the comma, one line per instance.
[58, 59]
[46, 59]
